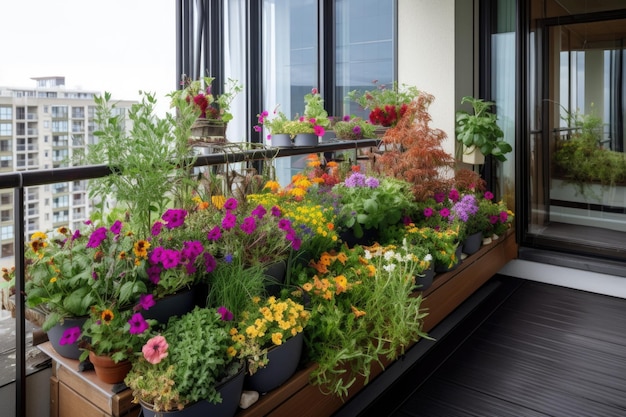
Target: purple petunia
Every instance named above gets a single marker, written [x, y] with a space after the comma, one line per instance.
[209, 262]
[214, 234]
[170, 258]
[97, 237]
[116, 227]
[70, 336]
[284, 224]
[138, 324]
[156, 228]
[259, 212]
[154, 274]
[226, 314]
[248, 226]
[275, 211]
[230, 204]
[174, 218]
[229, 221]
[146, 301]
[488, 195]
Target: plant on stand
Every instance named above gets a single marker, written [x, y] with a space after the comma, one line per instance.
[354, 128]
[386, 104]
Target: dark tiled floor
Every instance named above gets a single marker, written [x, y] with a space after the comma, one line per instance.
[530, 349]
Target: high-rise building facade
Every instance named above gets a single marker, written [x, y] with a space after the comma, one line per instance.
[45, 127]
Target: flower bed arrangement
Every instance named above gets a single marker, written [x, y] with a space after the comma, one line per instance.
[387, 104]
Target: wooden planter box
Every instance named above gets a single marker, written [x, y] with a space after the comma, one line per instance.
[449, 290]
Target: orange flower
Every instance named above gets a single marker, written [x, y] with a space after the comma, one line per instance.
[332, 164]
[218, 201]
[107, 316]
[357, 313]
[342, 257]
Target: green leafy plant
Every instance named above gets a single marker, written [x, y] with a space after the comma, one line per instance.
[207, 104]
[68, 272]
[387, 104]
[362, 309]
[480, 130]
[151, 162]
[354, 128]
[185, 362]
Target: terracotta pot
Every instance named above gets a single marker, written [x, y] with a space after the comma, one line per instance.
[109, 371]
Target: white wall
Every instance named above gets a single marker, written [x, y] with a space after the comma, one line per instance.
[436, 54]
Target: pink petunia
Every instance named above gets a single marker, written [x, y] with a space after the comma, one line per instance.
[444, 212]
[428, 212]
[230, 204]
[229, 221]
[225, 313]
[155, 349]
[248, 226]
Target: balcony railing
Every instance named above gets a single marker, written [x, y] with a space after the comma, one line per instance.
[19, 180]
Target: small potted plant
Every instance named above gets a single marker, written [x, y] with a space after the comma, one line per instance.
[213, 110]
[352, 128]
[192, 363]
[269, 338]
[479, 132]
[70, 271]
[386, 104]
[109, 337]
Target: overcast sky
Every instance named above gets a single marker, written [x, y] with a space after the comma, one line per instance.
[119, 46]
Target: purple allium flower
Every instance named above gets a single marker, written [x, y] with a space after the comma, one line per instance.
[156, 228]
[209, 262]
[259, 212]
[138, 324]
[145, 302]
[225, 313]
[174, 218]
[230, 204]
[70, 336]
[97, 237]
[229, 221]
[356, 179]
[116, 227]
[372, 182]
[214, 234]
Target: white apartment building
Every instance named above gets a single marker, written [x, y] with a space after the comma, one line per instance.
[42, 128]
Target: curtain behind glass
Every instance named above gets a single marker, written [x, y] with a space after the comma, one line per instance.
[235, 27]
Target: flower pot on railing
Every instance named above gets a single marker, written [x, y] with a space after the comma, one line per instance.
[207, 131]
[281, 140]
[306, 140]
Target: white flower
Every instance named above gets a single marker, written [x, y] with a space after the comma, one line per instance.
[428, 257]
[389, 255]
[389, 267]
[368, 254]
[400, 258]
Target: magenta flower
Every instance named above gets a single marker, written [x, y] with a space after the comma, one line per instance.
[156, 255]
[428, 212]
[214, 234]
[504, 216]
[156, 228]
[346, 118]
[154, 274]
[296, 243]
[257, 128]
[76, 234]
[284, 224]
[138, 324]
[155, 349]
[444, 212]
[116, 227]
[97, 237]
[493, 219]
[259, 212]
[488, 195]
[192, 249]
[248, 226]
[70, 336]
[209, 262]
[439, 197]
[319, 130]
[230, 204]
[229, 221]
[454, 195]
[356, 130]
[170, 258]
[225, 313]
[146, 301]
[275, 211]
[174, 218]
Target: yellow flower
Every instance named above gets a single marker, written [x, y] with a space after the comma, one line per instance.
[277, 339]
[218, 201]
[107, 316]
[307, 287]
[273, 186]
[231, 351]
[141, 248]
[357, 313]
[53, 280]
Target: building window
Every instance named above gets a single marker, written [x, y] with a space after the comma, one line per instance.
[6, 232]
[6, 161]
[6, 129]
[5, 215]
[5, 145]
[7, 250]
[6, 199]
[6, 113]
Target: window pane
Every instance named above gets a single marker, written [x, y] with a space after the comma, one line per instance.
[365, 48]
